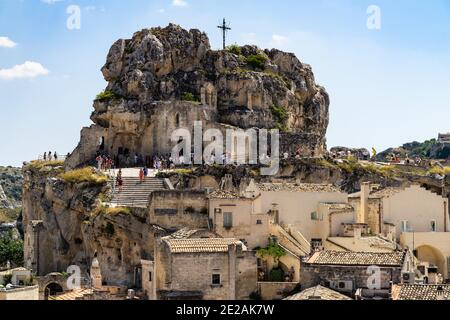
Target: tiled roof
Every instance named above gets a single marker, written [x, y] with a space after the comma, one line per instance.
[297, 187]
[184, 233]
[386, 192]
[379, 193]
[337, 206]
[318, 293]
[211, 245]
[221, 194]
[73, 295]
[364, 244]
[328, 257]
[419, 292]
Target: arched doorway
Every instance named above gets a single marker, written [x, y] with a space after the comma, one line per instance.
[433, 256]
[52, 289]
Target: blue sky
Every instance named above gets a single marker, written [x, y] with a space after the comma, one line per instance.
[387, 86]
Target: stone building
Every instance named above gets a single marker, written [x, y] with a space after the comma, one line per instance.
[314, 211]
[346, 272]
[393, 211]
[240, 217]
[200, 268]
[177, 209]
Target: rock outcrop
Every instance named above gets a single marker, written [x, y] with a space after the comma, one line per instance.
[166, 78]
[4, 201]
[66, 225]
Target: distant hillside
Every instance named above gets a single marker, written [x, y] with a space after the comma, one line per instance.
[430, 149]
[11, 180]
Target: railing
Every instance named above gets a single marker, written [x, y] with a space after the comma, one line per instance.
[59, 158]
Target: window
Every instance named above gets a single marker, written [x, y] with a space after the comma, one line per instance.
[177, 120]
[150, 276]
[215, 281]
[316, 244]
[405, 226]
[259, 222]
[227, 220]
[433, 226]
[315, 216]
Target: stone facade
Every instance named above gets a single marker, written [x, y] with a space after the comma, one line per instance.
[212, 275]
[240, 218]
[178, 209]
[22, 294]
[352, 275]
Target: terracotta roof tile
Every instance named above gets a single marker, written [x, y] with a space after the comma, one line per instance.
[211, 245]
[221, 194]
[419, 292]
[297, 187]
[329, 257]
[318, 293]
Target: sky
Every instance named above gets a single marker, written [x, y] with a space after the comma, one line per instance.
[384, 63]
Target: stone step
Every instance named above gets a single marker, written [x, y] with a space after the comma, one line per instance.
[136, 193]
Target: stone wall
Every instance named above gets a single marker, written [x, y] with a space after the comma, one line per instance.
[313, 275]
[25, 293]
[275, 290]
[179, 209]
[193, 272]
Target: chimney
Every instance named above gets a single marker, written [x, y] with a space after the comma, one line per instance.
[364, 211]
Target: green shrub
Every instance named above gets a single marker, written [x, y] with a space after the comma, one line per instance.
[11, 250]
[235, 49]
[281, 116]
[188, 96]
[273, 250]
[106, 96]
[276, 275]
[85, 175]
[257, 61]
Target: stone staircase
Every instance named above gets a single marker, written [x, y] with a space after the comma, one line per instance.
[136, 194]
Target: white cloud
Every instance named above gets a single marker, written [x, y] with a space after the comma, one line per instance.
[161, 10]
[279, 40]
[29, 69]
[7, 43]
[51, 1]
[179, 3]
[250, 38]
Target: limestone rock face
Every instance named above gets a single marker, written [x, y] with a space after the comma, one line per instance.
[169, 77]
[4, 201]
[63, 228]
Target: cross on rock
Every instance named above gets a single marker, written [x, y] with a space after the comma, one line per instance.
[224, 27]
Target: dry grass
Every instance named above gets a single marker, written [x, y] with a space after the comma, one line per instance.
[9, 215]
[85, 175]
[440, 171]
[39, 165]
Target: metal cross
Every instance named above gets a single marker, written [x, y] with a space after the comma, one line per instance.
[224, 27]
